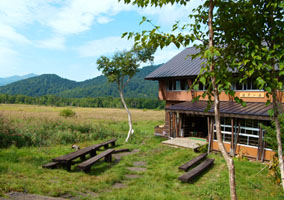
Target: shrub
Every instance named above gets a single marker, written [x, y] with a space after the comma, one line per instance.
[67, 113]
[9, 135]
[270, 135]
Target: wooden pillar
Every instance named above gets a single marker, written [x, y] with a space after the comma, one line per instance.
[209, 138]
[177, 125]
[174, 125]
[260, 145]
[237, 138]
[180, 125]
[171, 124]
[208, 128]
[232, 137]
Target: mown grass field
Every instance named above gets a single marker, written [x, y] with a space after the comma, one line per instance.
[20, 167]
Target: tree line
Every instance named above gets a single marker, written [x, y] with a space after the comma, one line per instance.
[98, 102]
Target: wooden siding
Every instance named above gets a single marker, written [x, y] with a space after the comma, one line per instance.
[179, 96]
[245, 150]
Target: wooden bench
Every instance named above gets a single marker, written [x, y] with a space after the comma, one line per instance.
[105, 144]
[197, 170]
[192, 162]
[66, 160]
[86, 166]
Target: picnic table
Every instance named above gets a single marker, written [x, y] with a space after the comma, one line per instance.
[66, 160]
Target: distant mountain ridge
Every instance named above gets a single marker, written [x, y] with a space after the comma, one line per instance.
[97, 87]
[11, 79]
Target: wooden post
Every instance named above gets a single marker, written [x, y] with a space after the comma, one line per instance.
[260, 145]
[209, 134]
[232, 138]
[180, 123]
[177, 124]
[174, 125]
[237, 137]
[171, 124]
[208, 128]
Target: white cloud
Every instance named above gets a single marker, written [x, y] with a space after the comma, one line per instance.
[80, 15]
[21, 12]
[8, 59]
[104, 46]
[9, 33]
[57, 42]
[104, 20]
[169, 14]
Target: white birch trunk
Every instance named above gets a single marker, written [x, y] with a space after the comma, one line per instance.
[278, 136]
[129, 115]
[228, 159]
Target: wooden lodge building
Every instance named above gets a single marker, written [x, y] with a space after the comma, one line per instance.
[240, 125]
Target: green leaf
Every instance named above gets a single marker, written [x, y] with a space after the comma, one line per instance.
[271, 112]
[203, 80]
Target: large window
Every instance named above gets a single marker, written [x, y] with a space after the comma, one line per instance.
[248, 85]
[249, 131]
[178, 85]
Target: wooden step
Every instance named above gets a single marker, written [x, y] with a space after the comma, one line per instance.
[192, 162]
[197, 170]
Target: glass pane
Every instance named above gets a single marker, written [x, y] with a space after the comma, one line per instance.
[238, 86]
[228, 129]
[184, 85]
[227, 138]
[255, 132]
[249, 85]
[249, 132]
[170, 83]
[243, 139]
[215, 136]
[249, 123]
[253, 141]
[178, 85]
[174, 85]
[200, 86]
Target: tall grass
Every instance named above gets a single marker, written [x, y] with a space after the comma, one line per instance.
[46, 132]
[25, 125]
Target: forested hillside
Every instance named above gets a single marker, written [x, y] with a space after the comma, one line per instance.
[39, 85]
[97, 87]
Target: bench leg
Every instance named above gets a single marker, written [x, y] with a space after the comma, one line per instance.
[108, 158]
[67, 166]
[83, 157]
[87, 170]
[93, 153]
[106, 146]
[113, 144]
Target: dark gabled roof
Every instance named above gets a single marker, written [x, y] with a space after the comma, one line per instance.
[182, 65]
[253, 110]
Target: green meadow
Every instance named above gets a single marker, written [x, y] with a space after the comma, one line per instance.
[33, 135]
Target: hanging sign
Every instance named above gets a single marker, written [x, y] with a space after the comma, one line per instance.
[252, 94]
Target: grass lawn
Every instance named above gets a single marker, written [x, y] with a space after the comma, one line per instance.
[20, 168]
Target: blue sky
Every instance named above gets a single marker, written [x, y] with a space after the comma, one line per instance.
[67, 37]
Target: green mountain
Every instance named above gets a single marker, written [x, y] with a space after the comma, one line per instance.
[11, 79]
[97, 87]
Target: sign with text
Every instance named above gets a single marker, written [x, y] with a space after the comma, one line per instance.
[252, 94]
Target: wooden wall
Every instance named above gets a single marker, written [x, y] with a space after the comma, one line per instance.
[178, 96]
